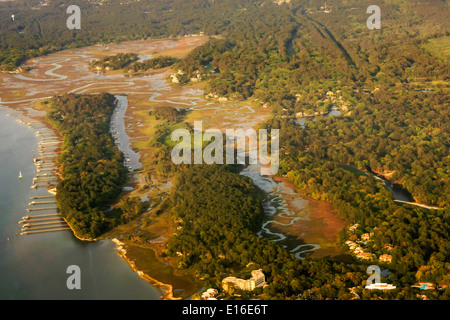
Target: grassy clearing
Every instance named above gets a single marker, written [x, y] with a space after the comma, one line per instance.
[353, 170]
[153, 231]
[183, 283]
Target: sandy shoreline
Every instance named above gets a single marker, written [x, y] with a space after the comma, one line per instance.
[165, 289]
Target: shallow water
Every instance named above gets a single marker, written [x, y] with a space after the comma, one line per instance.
[122, 140]
[276, 205]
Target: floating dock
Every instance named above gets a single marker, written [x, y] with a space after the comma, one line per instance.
[35, 186]
[40, 231]
[34, 203]
[47, 177]
[40, 209]
[46, 227]
[45, 223]
[44, 219]
[44, 179]
[50, 169]
[41, 197]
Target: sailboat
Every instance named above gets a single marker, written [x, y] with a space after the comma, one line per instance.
[20, 174]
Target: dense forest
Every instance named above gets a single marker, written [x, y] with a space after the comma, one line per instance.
[153, 63]
[118, 61]
[217, 212]
[392, 95]
[92, 168]
[300, 69]
[390, 87]
[39, 27]
[129, 63]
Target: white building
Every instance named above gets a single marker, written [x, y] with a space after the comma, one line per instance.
[380, 286]
[257, 280]
[209, 294]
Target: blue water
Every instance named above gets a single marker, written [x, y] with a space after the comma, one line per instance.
[34, 266]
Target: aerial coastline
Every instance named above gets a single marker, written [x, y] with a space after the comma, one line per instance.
[137, 126]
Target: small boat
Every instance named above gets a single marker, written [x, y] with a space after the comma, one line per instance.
[20, 175]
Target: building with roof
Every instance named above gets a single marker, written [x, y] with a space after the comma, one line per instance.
[386, 258]
[209, 294]
[380, 286]
[258, 279]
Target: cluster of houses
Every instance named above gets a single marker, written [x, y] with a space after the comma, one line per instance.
[336, 100]
[430, 286]
[359, 252]
[177, 76]
[356, 248]
[210, 294]
[257, 280]
[280, 2]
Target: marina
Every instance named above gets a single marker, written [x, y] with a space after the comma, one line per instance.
[36, 186]
[43, 219]
[50, 220]
[43, 179]
[40, 209]
[46, 230]
[33, 203]
[44, 223]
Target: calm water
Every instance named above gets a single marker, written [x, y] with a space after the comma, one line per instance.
[120, 135]
[34, 266]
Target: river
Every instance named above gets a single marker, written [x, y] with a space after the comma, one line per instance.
[275, 204]
[34, 266]
[121, 138]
